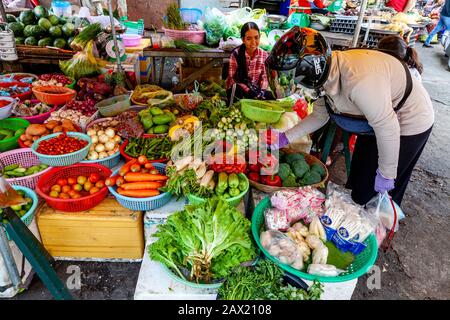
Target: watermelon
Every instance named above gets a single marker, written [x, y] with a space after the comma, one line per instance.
[38, 31]
[45, 42]
[68, 29]
[59, 43]
[27, 31]
[55, 32]
[31, 41]
[40, 12]
[45, 24]
[27, 17]
[10, 18]
[54, 20]
[62, 20]
[20, 40]
[16, 28]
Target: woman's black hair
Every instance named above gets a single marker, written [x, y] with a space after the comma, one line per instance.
[398, 46]
[241, 75]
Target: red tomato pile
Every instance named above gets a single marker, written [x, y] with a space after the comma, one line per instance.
[77, 187]
[62, 144]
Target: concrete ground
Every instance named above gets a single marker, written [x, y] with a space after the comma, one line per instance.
[418, 266]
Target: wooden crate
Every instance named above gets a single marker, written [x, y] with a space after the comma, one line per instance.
[107, 231]
[214, 74]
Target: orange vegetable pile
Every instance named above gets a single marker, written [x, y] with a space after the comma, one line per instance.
[77, 187]
[138, 178]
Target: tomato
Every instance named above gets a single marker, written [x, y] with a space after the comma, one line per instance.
[65, 189]
[94, 177]
[94, 190]
[77, 187]
[62, 182]
[56, 188]
[63, 195]
[87, 186]
[81, 180]
[72, 181]
[100, 184]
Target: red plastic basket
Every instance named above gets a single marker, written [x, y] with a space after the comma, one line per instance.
[128, 158]
[22, 96]
[49, 179]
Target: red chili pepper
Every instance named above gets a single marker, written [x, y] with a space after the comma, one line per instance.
[274, 181]
[254, 176]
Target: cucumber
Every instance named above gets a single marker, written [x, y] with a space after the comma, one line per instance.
[11, 167]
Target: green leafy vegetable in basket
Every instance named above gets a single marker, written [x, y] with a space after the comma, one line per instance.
[83, 64]
[264, 282]
[203, 243]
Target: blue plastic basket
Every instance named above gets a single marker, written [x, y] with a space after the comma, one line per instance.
[109, 162]
[65, 159]
[27, 218]
[191, 15]
[142, 204]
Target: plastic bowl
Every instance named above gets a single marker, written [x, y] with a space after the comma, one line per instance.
[234, 201]
[54, 95]
[113, 106]
[72, 205]
[28, 217]
[40, 118]
[6, 111]
[21, 96]
[261, 111]
[63, 159]
[131, 40]
[12, 124]
[18, 76]
[142, 204]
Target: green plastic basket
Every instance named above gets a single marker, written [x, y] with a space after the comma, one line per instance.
[234, 201]
[261, 111]
[64, 159]
[12, 124]
[361, 265]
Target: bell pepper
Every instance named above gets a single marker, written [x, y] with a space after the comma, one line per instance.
[254, 167]
[301, 108]
[274, 181]
[254, 176]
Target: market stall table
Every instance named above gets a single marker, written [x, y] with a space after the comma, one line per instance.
[40, 55]
[215, 55]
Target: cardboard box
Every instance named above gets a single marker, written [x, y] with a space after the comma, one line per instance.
[107, 231]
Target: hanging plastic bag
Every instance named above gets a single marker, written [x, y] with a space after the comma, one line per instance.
[215, 24]
[230, 44]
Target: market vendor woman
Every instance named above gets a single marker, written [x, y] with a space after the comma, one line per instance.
[369, 88]
[247, 66]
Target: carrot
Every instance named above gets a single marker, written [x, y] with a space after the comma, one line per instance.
[154, 171]
[142, 159]
[135, 168]
[126, 167]
[149, 166]
[138, 193]
[120, 181]
[111, 181]
[141, 185]
[141, 177]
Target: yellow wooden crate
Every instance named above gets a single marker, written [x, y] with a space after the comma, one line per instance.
[107, 231]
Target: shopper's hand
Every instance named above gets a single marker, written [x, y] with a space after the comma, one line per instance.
[276, 140]
[383, 184]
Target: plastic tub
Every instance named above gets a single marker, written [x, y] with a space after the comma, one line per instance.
[40, 118]
[63, 159]
[6, 111]
[131, 40]
[21, 96]
[113, 106]
[62, 8]
[142, 204]
[12, 124]
[197, 37]
[72, 205]
[19, 76]
[54, 95]
[26, 158]
[191, 15]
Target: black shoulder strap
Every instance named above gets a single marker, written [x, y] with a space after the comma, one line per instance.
[409, 85]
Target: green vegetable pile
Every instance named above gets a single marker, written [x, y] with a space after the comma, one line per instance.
[8, 133]
[229, 186]
[22, 209]
[152, 148]
[17, 171]
[38, 27]
[210, 89]
[185, 183]
[173, 19]
[156, 120]
[83, 64]
[87, 34]
[264, 282]
[203, 243]
[294, 171]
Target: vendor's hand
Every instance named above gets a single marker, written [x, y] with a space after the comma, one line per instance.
[276, 140]
[383, 184]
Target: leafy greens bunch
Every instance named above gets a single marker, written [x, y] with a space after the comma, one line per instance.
[204, 241]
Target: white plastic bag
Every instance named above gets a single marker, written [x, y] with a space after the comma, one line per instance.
[381, 205]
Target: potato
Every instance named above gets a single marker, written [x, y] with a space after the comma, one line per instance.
[57, 129]
[52, 124]
[28, 143]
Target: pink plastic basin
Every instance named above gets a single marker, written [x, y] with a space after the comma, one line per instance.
[131, 40]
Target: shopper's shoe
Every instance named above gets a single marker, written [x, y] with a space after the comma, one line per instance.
[427, 45]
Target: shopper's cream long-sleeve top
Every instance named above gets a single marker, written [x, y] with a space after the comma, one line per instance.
[372, 83]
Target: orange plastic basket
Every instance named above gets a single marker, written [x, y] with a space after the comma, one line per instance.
[54, 95]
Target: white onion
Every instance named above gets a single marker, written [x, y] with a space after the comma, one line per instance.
[110, 153]
[94, 139]
[102, 155]
[100, 132]
[117, 139]
[91, 132]
[93, 155]
[103, 138]
[110, 132]
[100, 148]
[109, 146]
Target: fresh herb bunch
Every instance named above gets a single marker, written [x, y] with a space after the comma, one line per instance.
[264, 282]
[187, 46]
[207, 240]
[173, 19]
[184, 184]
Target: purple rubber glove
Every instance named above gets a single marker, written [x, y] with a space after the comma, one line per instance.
[281, 143]
[382, 184]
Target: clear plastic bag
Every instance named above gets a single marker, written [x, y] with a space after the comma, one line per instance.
[215, 24]
[280, 246]
[381, 207]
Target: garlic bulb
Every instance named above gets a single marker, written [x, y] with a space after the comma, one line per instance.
[94, 139]
[110, 132]
[93, 155]
[103, 138]
[100, 148]
[102, 155]
[109, 146]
